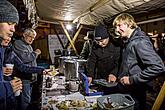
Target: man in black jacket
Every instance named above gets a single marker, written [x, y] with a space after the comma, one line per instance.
[8, 19]
[104, 58]
[140, 63]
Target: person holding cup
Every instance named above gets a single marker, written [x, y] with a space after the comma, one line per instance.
[8, 19]
[12, 64]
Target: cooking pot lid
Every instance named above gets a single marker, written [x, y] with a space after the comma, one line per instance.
[69, 61]
[74, 79]
[81, 60]
[68, 57]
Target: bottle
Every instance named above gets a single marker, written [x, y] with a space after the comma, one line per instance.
[48, 82]
[69, 51]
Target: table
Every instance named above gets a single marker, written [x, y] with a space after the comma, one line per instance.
[59, 92]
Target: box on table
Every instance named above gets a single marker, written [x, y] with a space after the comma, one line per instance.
[86, 87]
[116, 102]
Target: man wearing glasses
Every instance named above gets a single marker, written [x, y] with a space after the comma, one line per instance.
[25, 52]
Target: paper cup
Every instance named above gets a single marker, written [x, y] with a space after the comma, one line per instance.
[10, 66]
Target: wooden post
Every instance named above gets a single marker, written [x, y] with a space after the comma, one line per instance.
[76, 35]
[159, 100]
[68, 36]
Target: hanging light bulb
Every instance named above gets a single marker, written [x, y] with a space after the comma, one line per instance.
[69, 27]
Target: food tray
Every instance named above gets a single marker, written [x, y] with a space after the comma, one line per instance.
[73, 105]
[103, 82]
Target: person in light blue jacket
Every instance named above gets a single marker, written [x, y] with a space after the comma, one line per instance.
[8, 19]
[11, 58]
[28, 56]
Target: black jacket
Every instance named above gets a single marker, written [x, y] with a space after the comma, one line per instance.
[140, 61]
[103, 61]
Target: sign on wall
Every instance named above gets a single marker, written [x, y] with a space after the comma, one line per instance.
[54, 44]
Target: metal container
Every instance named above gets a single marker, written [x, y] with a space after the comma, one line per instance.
[61, 62]
[70, 69]
[73, 67]
[74, 85]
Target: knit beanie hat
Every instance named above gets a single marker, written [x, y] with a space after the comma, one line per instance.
[8, 13]
[101, 32]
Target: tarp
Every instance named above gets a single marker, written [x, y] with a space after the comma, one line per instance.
[91, 12]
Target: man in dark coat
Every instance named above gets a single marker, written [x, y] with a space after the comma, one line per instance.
[140, 63]
[104, 58]
[8, 19]
[11, 58]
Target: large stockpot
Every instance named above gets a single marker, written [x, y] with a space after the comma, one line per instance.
[69, 69]
[73, 67]
[61, 62]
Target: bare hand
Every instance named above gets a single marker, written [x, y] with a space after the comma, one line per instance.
[112, 78]
[47, 72]
[38, 51]
[16, 84]
[89, 80]
[125, 80]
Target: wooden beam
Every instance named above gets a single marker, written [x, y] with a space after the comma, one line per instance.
[76, 35]
[68, 36]
[159, 100]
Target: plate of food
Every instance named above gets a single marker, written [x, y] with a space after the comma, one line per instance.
[73, 105]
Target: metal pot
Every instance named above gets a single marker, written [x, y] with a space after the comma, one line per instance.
[73, 67]
[61, 62]
[69, 69]
[74, 85]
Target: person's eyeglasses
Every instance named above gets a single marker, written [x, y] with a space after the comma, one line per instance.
[32, 37]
